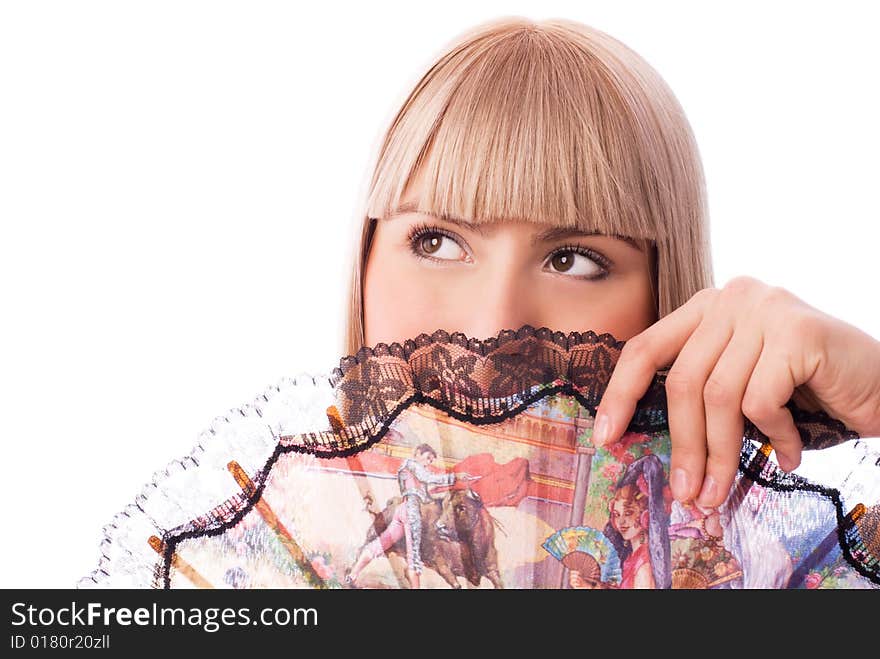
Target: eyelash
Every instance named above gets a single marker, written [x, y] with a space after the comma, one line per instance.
[419, 231]
[600, 260]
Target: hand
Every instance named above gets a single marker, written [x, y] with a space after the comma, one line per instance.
[576, 580]
[745, 349]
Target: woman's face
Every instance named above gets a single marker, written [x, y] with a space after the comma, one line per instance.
[625, 518]
[424, 273]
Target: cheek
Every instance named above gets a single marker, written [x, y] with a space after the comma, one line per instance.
[404, 298]
[622, 306]
[402, 301]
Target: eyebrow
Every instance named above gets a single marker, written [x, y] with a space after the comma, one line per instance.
[557, 233]
[553, 233]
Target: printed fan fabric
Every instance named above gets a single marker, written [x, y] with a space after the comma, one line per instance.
[448, 462]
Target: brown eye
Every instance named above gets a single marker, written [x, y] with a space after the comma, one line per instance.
[563, 261]
[436, 245]
[578, 262]
[431, 243]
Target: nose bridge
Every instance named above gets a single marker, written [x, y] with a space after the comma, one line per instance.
[504, 300]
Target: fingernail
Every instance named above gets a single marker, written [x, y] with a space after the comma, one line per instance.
[600, 429]
[679, 484]
[709, 491]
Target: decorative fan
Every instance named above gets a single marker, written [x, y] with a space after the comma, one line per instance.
[449, 462]
[588, 552]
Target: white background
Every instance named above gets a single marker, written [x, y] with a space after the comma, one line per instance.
[179, 182]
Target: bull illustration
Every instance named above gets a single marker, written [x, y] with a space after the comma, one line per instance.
[458, 536]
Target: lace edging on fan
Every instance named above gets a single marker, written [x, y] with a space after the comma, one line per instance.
[133, 542]
[487, 381]
[856, 532]
[167, 509]
[375, 385]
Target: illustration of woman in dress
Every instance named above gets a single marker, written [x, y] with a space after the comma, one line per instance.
[638, 528]
[638, 525]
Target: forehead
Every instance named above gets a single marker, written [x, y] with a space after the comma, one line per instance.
[622, 504]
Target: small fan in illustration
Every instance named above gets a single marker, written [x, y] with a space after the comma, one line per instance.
[588, 552]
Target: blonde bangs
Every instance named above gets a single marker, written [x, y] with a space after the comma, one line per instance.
[526, 126]
[551, 122]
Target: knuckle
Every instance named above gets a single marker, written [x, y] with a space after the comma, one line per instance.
[634, 350]
[802, 324]
[717, 393]
[680, 384]
[773, 297]
[707, 294]
[757, 408]
[741, 284]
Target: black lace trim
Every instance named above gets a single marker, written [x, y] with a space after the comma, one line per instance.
[859, 549]
[484, 382]
[494, 379]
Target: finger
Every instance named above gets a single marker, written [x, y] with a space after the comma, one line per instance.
[723, 396]
[640, 359]
[686, 409]
[769, 389]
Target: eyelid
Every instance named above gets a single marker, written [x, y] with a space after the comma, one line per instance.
[421, 229]
[605, 263]
[583, 250]
[418, 231]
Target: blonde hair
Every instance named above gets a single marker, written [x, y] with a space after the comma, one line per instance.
[552, 122]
